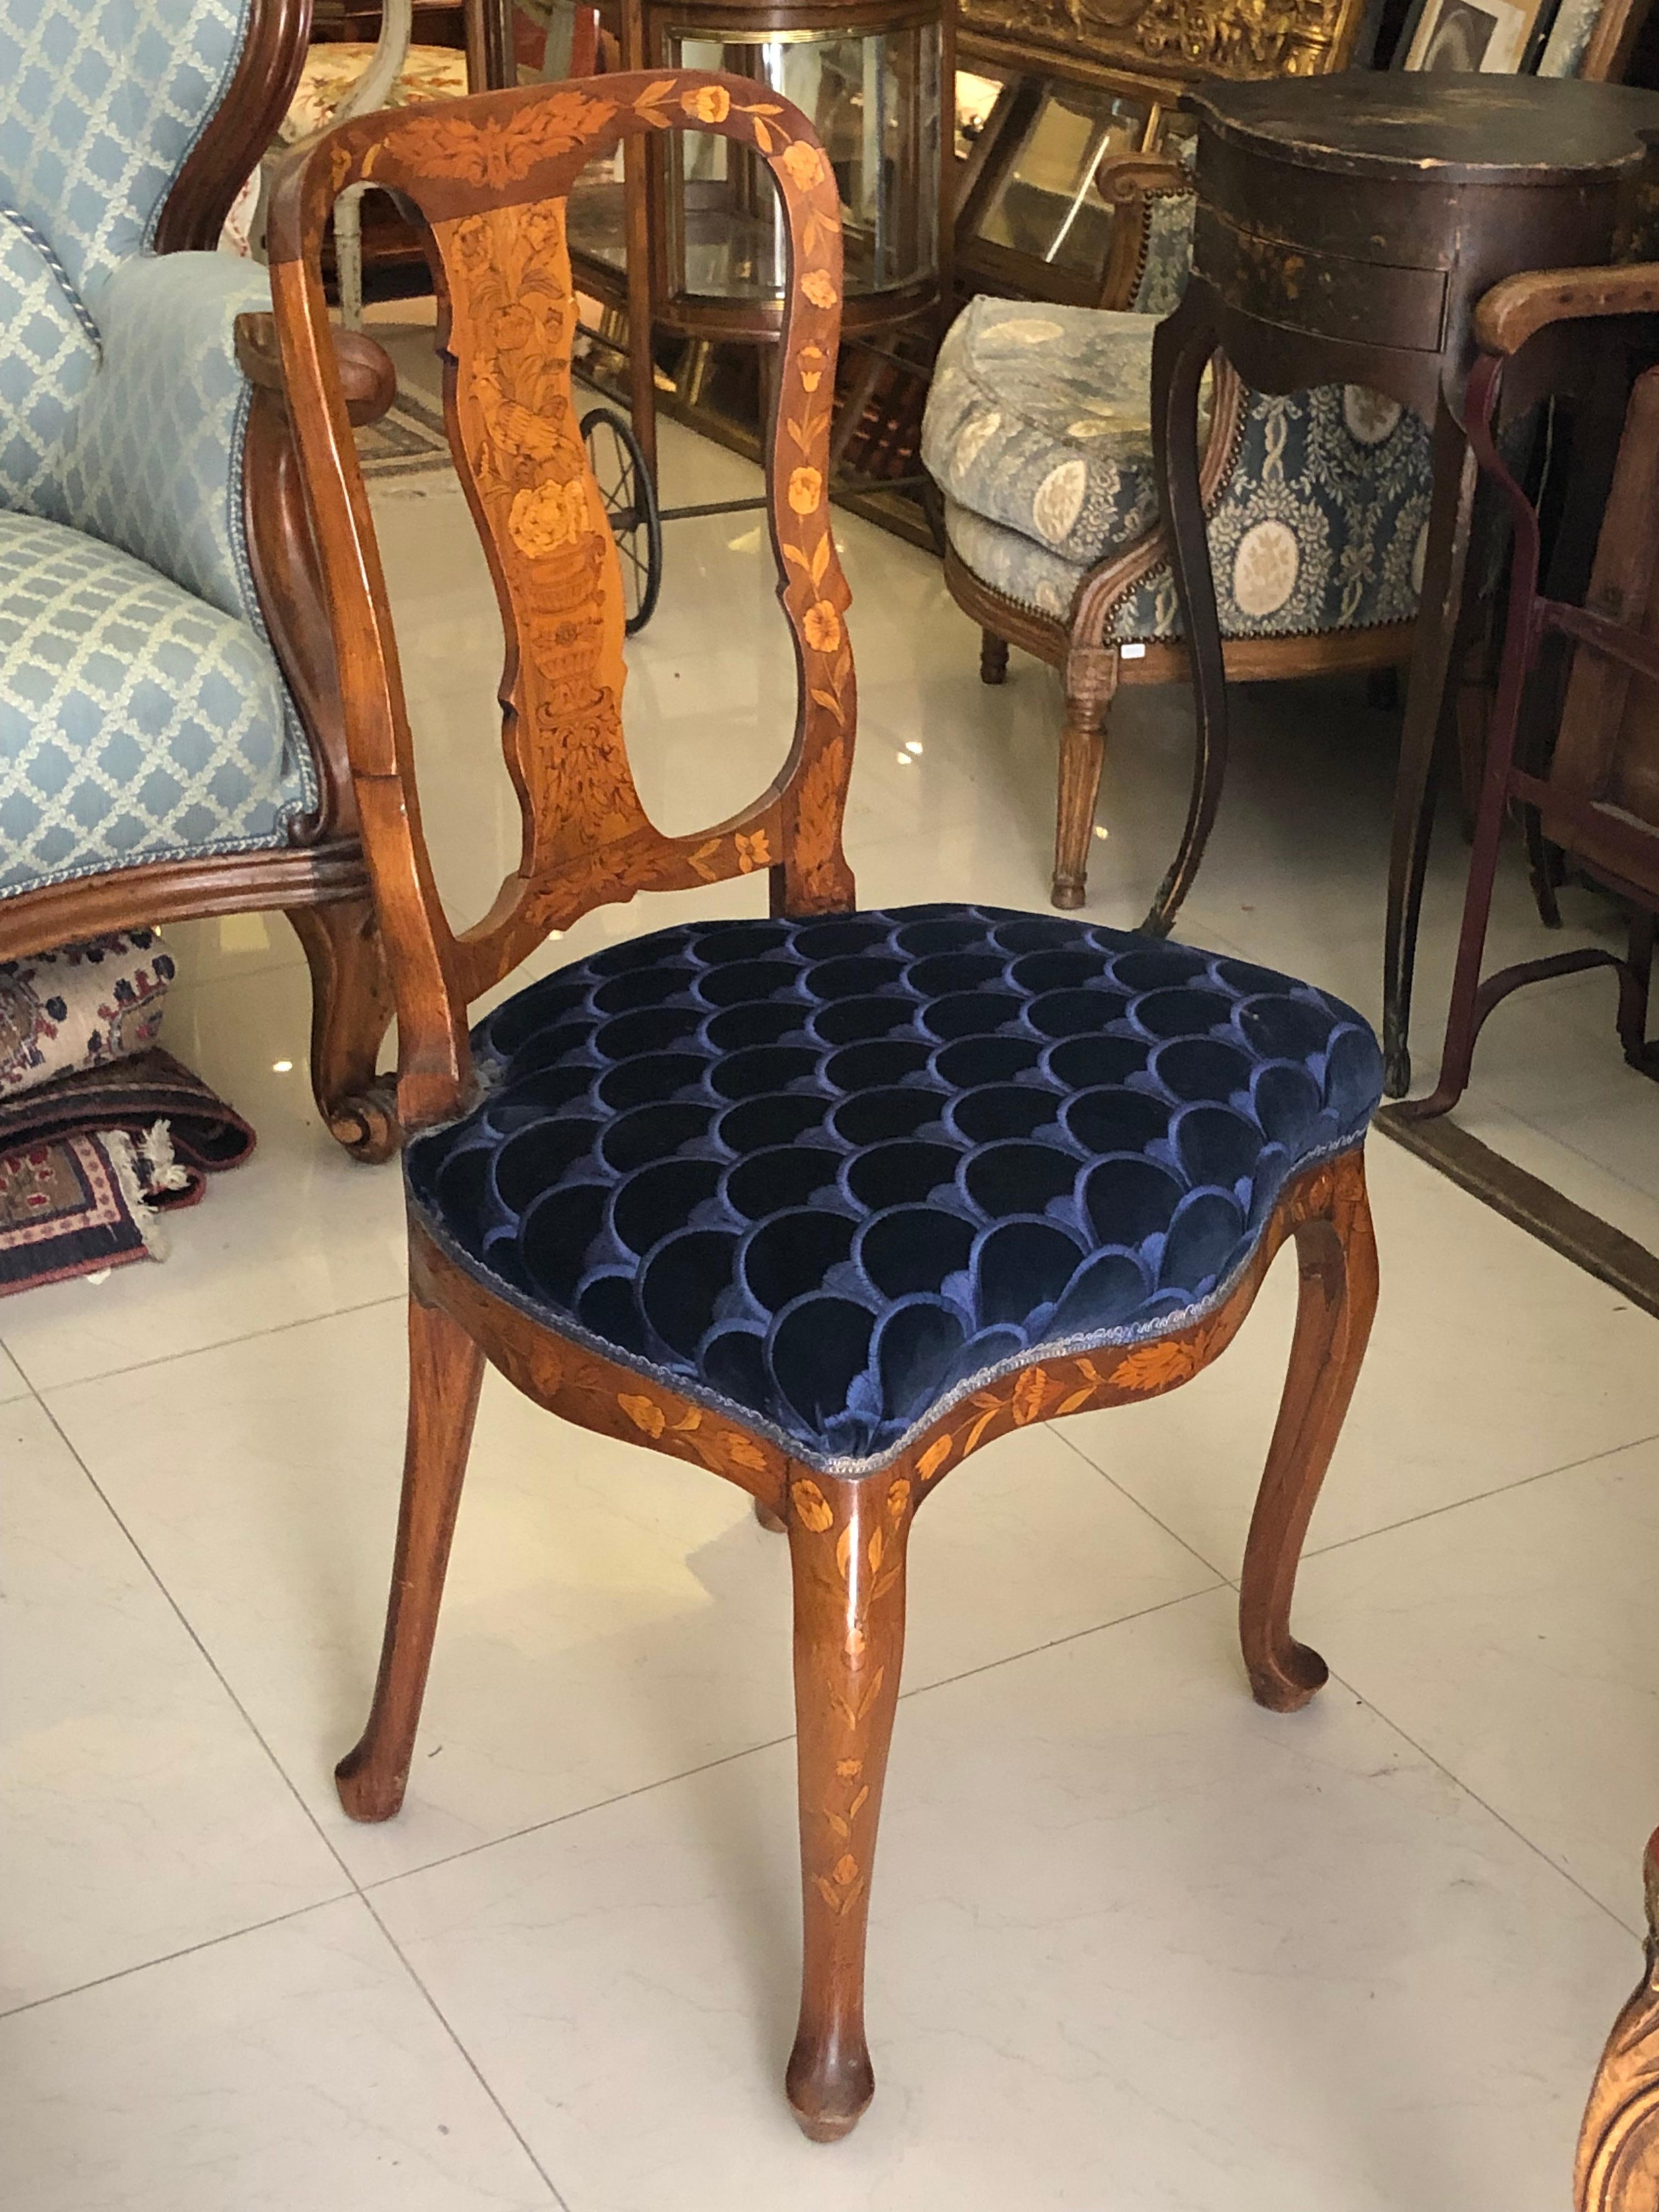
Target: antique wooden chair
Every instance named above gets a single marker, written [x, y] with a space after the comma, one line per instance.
[1038, 435]
[822, 1202]
[170, 742]
[1596, 796]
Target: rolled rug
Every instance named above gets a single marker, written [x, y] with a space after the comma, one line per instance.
[99, 1127]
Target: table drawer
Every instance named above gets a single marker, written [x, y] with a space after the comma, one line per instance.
[1369, 302]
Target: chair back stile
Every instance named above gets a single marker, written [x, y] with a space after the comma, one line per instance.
[490, 176]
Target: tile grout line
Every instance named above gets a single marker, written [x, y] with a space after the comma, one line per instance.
[354, 1891]
[1468, 1791]
[208, 1659]
[198, 1351]
[1478, 1496]
[774, 1742]
[1128, 1495]
[185, 1951]
[1369, 1704]
[471, 2063]
[1386, 1527]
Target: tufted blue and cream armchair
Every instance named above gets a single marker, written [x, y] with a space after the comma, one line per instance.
[1038, 433]
[169, 741]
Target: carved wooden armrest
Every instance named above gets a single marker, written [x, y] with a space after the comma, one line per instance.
[1518, 308]
[366, 368]
[1123, 178]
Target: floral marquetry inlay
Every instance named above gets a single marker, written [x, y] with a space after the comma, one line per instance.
[513, 316]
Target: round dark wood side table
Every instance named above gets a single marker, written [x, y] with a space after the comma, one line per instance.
[1346, 228]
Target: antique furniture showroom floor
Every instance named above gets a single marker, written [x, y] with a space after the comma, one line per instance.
[1137, 1943]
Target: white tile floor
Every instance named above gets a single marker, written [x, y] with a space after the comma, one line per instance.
[1137, 1946]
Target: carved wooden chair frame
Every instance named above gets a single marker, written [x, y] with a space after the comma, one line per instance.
[320, 879]
[489, 178]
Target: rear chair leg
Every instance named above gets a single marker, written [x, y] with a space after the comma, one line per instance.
[993, 657]
[1336, 1254]
[446, 1368]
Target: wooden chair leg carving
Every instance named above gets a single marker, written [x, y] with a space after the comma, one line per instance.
[993, 658]
[1091, 687]
[446, 1371]
[846, 1545]
[1336, 1298]
[351, 1011]
[1618, 2166]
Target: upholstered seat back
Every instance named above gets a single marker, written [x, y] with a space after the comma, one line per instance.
[100, 103]
[48, 358]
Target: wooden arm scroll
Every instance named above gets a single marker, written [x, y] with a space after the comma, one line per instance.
[1518, 308]
[1123, 178]
[366, 372]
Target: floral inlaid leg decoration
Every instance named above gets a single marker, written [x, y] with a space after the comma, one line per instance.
[847, 1542]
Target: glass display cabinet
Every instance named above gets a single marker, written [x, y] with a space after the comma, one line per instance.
[868, 77]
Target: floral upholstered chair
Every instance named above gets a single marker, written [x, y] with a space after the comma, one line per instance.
[1038, 433]
[166, 745]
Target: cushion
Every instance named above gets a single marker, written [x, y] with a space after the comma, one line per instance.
[1039, 425]
[331, 70]
[136, 722]
[100, 103]
[1039, 417]
[829, 1175]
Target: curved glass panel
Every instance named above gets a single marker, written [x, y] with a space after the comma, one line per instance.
[873, 99]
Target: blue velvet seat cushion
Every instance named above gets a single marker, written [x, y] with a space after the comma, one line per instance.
[830, 1175]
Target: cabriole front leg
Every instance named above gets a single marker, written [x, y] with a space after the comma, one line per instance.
[1336, 1257]
[846, 1545]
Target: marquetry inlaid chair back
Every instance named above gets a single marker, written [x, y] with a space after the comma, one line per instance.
[822, 1202]
[491, 177]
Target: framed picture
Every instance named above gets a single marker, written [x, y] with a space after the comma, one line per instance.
[1466, 35]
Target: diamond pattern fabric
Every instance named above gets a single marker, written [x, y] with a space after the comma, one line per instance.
[100, 102]
[136, 722]
[143, 715]
[48, 359]
[831, 1176]
[152, 462]
[1038, 430]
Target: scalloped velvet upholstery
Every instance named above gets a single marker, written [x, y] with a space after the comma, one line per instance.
[830, 1175]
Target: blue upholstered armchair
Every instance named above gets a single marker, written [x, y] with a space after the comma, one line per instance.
[170, 743]
[1038, 433]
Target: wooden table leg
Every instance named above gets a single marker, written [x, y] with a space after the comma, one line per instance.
[1181, 352]
[1444, 568]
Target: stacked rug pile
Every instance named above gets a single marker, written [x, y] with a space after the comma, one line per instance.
[100, 1131]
